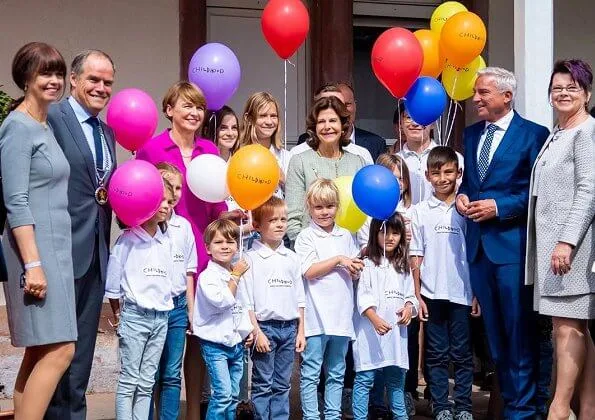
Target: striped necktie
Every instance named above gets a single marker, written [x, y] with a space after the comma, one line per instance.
[484, 155]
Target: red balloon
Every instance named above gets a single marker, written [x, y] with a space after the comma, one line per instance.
[285, 25]
[397, 59]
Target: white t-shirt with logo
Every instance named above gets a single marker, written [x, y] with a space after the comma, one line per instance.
[385, 290]
[363, 234]
[219, 316]
[438, 234]
[273, 284]
[183, 251]
[140, 269]
[329, 299]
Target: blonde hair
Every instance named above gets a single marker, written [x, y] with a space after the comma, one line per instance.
[253, 106]
[227, 228]
[322, 191]
[186, 91]
[391, 161]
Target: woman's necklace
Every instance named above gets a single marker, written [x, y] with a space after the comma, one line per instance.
[335, 156]
[40, 121]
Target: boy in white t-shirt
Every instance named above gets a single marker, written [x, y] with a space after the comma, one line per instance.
[275, 301]
[220, 320]
[441, 273]
[328, 256]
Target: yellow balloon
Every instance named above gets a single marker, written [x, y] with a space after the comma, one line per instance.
[443, 12]
[349, 216]
[460, 81]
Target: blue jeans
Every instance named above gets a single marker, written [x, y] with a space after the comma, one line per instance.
[448, 339]
[141, 337]
[394, 378]
[271, 372]
[326, 351]
[168, 381]
[225, 367]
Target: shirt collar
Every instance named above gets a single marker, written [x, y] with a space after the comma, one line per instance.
[82, 115]
[321, 233]
[265, 252]
[212, 265]
[174, 220]
[410, 152]
[434, 202]
[504, 122]
[145, 237]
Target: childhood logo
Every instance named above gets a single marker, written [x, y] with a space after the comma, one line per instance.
[279, 283]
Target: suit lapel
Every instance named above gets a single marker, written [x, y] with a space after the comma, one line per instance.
[510, 137]
[80, 140]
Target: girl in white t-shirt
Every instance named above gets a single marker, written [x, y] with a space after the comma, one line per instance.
[386, 303]
[139, 272]
[262, 125]
[329, 263]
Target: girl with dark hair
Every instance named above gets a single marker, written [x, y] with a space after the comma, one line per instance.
[38, 242]
[386, 302]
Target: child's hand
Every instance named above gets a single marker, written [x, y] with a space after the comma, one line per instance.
[475, 308]
[116, 321]
[262, 343]
[405, 314]
[381, 326]
[300, 342]
[423, 309]
[249, 340]
[353, 265]
[240, 267]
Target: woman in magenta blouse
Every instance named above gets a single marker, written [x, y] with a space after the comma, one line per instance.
[184, 105]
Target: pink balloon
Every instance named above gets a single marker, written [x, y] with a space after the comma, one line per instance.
[133, 116]
[135, 192]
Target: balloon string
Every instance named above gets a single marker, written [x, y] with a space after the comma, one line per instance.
[399, 124]
[454, 117]
[241, 237]
[214, 119]
[439, 130]
[384, 246]
[285, 104]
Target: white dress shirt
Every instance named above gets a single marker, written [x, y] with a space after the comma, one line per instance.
[183, 251]
[273, 283]
[438, 235]
[385, 290]
[140, 270]
[502, 124]
[329, 299]
[219, 316]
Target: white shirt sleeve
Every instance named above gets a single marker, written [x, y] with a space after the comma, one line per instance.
[247, 284]
[306, 251]
[190, 257]
[354, 250]
[363, 234]
[114, 273]
[416, 246]
[301, 294]
[366, 296]
[216, 292]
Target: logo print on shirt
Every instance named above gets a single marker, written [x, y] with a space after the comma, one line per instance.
[447, 229]
[393, 294]
[178, 257]
[279, 283]
[154, 272]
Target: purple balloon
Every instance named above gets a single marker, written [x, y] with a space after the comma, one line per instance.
[215, 69]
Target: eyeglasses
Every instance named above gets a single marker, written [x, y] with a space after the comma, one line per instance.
[569, 89]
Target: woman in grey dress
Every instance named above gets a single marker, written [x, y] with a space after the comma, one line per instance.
[560, 237]
[37, 242]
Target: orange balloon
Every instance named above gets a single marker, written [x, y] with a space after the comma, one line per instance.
[463, 38]
[430, 44]
[252, 176]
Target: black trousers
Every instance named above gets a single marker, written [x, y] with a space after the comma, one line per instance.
[69, 402]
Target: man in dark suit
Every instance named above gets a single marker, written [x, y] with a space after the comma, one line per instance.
[375, 144]
[88, 144]
[499, 154]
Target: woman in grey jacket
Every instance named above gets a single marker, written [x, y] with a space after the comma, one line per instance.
[560, 240]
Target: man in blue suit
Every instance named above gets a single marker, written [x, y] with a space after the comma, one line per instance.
[494, 195]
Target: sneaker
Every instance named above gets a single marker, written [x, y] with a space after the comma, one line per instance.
[464, 415]
[346, 403]
[245, 411]
[444, 415]
[409, 404]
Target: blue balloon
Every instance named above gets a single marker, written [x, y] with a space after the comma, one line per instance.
[376, 191]
[426, 100]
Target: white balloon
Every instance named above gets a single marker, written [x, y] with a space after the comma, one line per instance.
[206, 176]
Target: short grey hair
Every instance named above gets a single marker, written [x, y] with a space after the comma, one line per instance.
[505, 79]
[79, 60]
